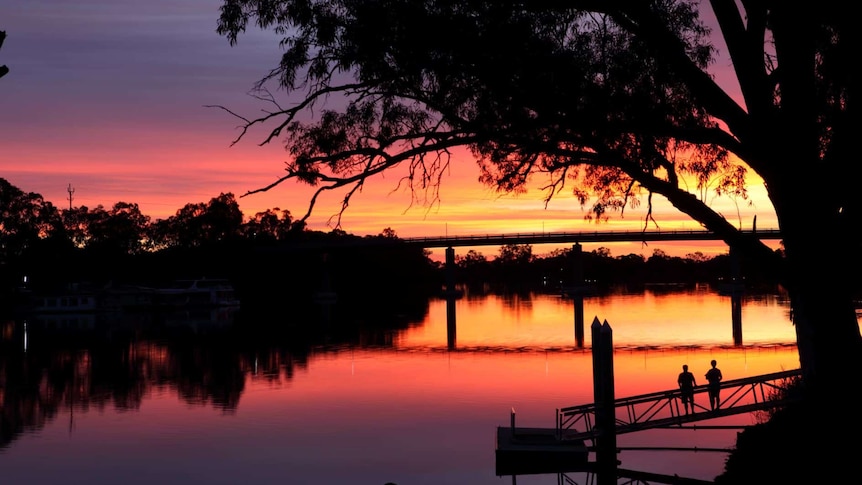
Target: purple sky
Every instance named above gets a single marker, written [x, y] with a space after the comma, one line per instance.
[107, 97]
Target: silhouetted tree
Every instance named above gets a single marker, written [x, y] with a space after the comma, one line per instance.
[613, 98]
[471, 259]
[222, 219]
[697, 257]
[3, 68]
[120, 230]
[515, 253]
[389, 233]
[271, 224]
[195, 225]
[32, 238]
[25, 218]
[76, 222]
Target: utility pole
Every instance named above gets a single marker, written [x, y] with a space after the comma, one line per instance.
[71, 191]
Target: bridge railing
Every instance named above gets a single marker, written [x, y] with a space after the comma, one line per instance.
[516, 238]
[582, 236]
[665, 408]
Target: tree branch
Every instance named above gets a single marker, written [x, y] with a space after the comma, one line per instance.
[639, 20]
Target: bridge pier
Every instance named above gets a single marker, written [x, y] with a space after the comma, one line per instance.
[577, 293]
[736, 317]
[737, 287]
[325, 297]
[451, 296]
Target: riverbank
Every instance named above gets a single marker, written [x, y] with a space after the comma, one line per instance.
[810, 441]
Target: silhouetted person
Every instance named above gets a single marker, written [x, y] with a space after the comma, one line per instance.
[686, 388]
[713, 377]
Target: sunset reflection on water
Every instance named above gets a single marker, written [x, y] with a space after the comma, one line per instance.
[417, 410]
[696, 317]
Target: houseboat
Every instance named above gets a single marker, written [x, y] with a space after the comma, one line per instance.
[196, 293]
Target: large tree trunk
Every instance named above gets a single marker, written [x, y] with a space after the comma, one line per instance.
[820, 261]
[814, 212]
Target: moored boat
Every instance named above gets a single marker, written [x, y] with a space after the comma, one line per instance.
[203, 292]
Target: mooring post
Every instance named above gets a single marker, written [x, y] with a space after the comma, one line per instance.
[595, 336]
[603, 382]
[559, 425]
[610, 420]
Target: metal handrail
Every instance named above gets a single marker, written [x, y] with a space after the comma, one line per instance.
[662, 408]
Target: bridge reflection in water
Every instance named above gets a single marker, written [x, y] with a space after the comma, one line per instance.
[580, 288]
[734, 287]
[576, 291]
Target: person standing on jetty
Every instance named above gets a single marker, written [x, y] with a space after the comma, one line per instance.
[713, 377]
[686, 388]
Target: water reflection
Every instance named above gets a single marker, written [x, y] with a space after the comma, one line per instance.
[355, 390]
[656, 317]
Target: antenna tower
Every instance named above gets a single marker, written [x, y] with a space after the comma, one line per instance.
[71, 191]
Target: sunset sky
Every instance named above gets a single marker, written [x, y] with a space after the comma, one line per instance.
[107, 97]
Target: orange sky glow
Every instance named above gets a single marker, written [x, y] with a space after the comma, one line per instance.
[115, 110]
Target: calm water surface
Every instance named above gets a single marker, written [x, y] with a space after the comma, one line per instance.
[208, 402]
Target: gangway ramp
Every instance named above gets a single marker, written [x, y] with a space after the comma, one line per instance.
[566, 447]
[665, 409]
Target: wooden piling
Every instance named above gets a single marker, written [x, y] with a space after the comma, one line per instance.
[603, 392]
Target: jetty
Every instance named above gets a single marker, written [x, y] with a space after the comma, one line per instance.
[588, 428]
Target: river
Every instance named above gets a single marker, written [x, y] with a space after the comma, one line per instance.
[227, 401]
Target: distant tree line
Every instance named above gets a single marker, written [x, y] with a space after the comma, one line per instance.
[516, 267]
[269, 254]
[51, 247]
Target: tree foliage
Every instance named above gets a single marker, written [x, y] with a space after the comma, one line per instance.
[561, 95]
[25, 218]
[120, 230]
[271, 224]
[515, 253]
[611, 100]
[3, 68]
[199, 224]
[99, 246]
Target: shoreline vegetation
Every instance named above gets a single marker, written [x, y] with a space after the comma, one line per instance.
[53, 247]
[802, 442]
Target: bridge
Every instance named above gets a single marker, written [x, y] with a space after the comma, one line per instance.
[429, 242]
[579, 236]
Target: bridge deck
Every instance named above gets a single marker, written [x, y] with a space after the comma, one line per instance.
[535, 238]
[581, 237]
